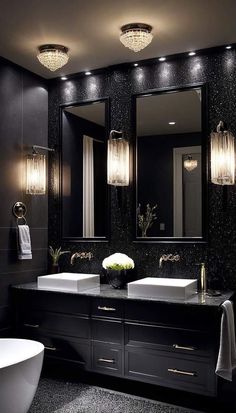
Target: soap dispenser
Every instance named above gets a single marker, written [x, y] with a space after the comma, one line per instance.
[203, 280]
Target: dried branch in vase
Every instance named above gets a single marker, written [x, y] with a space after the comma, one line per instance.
[146, 220]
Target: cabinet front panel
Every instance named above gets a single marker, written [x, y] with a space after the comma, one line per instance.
[110, 331]
[103, 307]
[62, 348]
[107, 359]
[55, 301]
[169, 339]
[63, 324]
[165, 370]
[169, 314]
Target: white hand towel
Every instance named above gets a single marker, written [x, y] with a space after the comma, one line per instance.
[24, 243]
[227, 352]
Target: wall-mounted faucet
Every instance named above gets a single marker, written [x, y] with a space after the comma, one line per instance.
[168, 257]
[81, 255]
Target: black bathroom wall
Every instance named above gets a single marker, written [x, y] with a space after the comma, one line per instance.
[218, 70]
[23, 122]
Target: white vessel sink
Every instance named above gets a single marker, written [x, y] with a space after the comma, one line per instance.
[67, 281]
[173, 288]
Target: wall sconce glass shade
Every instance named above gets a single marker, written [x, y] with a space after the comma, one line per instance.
[118, 162]
[136, 36]
[222, 158]
[53, 56]
[190, 164]
[36, 174]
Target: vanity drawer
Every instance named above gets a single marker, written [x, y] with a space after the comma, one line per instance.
[171, 371]
[173, 315]
[54, 301]
[107, 308]
[169, 339]
[107, 359]
[110, 331]
[56, 323]
[64, 349]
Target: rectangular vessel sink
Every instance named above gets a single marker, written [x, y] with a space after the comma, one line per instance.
[173, 288]
[67, 281]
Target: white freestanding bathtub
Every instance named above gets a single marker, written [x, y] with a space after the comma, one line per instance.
[20, 367]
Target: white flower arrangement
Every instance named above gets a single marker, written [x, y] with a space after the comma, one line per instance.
[118, 262]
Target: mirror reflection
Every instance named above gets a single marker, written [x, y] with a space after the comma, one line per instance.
[84, 187]
[169, 164]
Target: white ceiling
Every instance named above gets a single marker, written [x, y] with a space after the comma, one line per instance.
[91, 28]
[155, 112]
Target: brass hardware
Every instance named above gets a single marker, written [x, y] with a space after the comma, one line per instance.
[50, 348]
[81, 255]
[168, 257]
[31, 325]
[19, 210]
[183, 347]
[182, 372]
[111, 361]
[106, 308]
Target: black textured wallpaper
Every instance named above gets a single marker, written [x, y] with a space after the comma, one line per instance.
[24, 122]
[218, 70]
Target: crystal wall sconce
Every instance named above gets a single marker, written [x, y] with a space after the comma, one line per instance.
[36, 171]
[117, 160]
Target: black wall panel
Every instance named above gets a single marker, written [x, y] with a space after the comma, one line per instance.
[24, 122]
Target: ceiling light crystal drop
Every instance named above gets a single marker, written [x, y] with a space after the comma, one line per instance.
[53, 57]
[136, 36]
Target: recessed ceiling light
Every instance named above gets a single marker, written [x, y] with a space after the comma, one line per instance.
[172, 123]
[88, 73]
[162, 59]
[64, 78]
[228, 47]
[135, 64]
[192, 53]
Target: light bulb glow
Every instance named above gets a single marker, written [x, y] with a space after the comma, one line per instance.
[223, 158]
[118, 162]
[36, 174]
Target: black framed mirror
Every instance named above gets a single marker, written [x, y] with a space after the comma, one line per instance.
[171, 165]
[84, 191]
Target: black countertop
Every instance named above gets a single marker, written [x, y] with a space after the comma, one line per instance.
[106, 291]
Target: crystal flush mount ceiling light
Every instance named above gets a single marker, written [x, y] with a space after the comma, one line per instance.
[136, 36]
[53, 56]
[190, 164]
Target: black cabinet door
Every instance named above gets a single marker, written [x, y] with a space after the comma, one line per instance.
[55, 323]
[171, 371]
[107, 359]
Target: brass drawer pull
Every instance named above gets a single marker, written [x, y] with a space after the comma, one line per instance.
[106, 308]
[111, 361]
[50, 348]
[183, 347]
[31, 325]
[182, 372]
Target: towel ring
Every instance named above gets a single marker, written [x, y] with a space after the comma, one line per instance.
[19, 211]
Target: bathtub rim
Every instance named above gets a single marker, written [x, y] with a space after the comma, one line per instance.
[38, 350]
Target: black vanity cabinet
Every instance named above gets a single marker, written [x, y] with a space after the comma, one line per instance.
[171, 344]
[62, 324]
